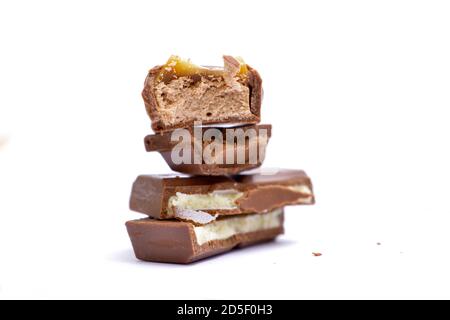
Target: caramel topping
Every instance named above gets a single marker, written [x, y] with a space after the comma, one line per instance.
[176, 67]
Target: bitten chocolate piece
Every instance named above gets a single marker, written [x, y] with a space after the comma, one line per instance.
[183, 242]
[179, 93]
[242, 148]
[201, 199]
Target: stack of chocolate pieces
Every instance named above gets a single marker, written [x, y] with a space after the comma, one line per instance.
[206, 123]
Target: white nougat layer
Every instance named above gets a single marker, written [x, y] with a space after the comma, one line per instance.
[226, 228]
[302, 189]
[217, 200]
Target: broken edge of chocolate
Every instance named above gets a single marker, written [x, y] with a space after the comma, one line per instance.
[241, 148]
[183, 242]
[160, 196]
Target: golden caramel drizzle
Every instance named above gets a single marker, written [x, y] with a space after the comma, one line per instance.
[176, 67]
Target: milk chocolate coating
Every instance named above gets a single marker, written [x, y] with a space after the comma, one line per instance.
[254, 83]
[163, 144]
[175, 242]
[262, 193]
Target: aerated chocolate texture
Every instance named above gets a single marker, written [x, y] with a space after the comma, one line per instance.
[164, 144]
[179, 93]
[168, 196]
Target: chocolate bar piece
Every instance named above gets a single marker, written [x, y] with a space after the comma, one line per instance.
[183, 242]
[202, 199]
[180, 93]
[186, 150]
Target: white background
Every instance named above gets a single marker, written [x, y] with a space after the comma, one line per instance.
[358, 93]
